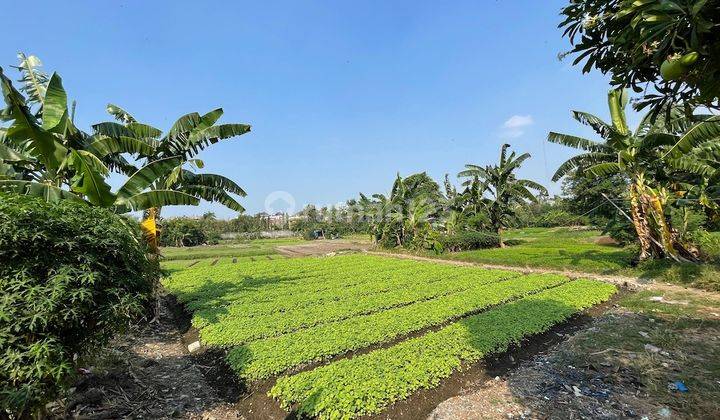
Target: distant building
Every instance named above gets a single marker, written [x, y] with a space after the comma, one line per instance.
[278, 220]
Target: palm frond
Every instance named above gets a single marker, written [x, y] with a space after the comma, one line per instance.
[579, 161]
[113, 129]
[214, 194]
[576, 142]
[604, 169]
[690, 165]
[704, 131]
[144, 130]
[211, 180]
[47, 192]
[120, 114]
[104, 146]
[33, 79]
[147, 175]
[155, 198]
[599, 126]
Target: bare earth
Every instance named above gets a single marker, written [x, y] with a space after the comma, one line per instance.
[148, 373]
[323, 247]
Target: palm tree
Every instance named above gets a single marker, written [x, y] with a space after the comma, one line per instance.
[506, 191]
[658, 153]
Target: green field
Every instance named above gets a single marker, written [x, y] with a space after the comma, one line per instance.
[276, 316]
[255, 247]
[585, 251]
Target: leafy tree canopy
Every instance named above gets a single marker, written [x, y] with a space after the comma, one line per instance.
[672, 46]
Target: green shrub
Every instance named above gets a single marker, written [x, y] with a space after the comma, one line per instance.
[464, 241]
[71, 275]
[709, 245]
[185, 231]
[621, 230]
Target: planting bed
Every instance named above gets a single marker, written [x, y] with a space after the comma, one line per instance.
[409, 323]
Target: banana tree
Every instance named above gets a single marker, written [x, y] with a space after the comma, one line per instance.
[497, 188]
[654, 157]
[189, 135]
[43, 154]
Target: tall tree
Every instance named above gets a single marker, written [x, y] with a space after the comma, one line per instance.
[499, 190]
[672, 46]
[652, 158]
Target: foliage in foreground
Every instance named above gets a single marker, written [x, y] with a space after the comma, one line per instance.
[71, 276]
[671, 45]
[43, 154]
[366, 384]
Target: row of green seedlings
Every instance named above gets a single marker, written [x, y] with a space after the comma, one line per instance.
[179, 265]
[387, 283]
[190, 285]
[368, 383]
[265, 358]
[211, 288]
[203, 253]
[402, 289]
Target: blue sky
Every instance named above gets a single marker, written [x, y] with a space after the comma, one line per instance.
[341, 94]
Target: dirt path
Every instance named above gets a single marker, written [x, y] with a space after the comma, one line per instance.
[323, 247]
[148, 373]
[632, 283]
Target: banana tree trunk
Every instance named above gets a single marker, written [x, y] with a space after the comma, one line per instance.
[499, 231]
[640, 223]
[657, 238]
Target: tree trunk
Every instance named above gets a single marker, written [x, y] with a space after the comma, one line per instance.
[499, 234]
[640, 223]
[657, 238]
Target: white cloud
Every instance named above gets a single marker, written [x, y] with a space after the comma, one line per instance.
[514, 126]
[517, 121]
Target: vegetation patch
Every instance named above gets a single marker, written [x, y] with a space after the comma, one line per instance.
[280, 315]
[258, 247]
[71, 276]
[367, 383]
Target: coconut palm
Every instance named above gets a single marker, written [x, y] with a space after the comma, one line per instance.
[658, 154]
[498, 190]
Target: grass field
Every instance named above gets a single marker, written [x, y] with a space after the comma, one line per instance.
[278, 315]
[255, 247]
[585, 251]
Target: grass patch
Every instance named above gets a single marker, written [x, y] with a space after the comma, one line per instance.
[255, 247]
[585, 251]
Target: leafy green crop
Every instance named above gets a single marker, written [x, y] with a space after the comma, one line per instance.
[264, 358]
[366, 384]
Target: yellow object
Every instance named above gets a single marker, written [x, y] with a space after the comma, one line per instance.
[149, 228]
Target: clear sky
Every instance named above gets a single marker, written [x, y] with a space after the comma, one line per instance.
[341, 94]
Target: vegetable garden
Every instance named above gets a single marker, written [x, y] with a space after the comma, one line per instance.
[277, 317]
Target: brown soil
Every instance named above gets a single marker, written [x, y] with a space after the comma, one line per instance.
[606, 240]
[323, 247]
[149, 373]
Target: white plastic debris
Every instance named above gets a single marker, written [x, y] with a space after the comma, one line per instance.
[193, 347]
[652, 349]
